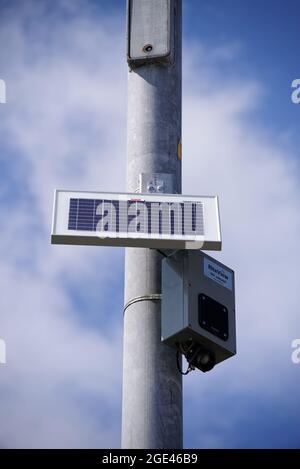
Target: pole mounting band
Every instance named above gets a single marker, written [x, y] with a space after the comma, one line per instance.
[137, 299]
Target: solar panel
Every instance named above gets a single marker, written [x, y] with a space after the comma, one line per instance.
[142, 220]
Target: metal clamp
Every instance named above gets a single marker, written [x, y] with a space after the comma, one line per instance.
[137, 299]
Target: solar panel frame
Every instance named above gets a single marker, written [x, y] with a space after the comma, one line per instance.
[88, 218]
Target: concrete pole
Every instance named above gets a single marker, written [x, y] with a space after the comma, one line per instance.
[152, 385]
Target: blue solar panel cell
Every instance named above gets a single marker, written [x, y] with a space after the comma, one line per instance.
[160, 218]
[73, 214]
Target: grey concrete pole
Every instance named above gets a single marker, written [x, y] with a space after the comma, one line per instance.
[152, 385]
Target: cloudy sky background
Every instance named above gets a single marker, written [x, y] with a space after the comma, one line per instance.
[64, 126]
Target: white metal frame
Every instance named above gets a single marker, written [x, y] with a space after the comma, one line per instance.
[62, 235]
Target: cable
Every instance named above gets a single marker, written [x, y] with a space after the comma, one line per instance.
[184, 373]
[162, 253]
[183, 350]
[153, 297]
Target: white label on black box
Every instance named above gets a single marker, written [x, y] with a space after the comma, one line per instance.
[218, 274]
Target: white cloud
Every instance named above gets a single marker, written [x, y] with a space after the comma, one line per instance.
[64, 125]
[256, 178]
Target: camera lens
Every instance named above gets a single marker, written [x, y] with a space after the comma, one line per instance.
[201, 358]
[205, 360]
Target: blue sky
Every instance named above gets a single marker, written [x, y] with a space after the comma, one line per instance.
[64, 126]
[267, 34]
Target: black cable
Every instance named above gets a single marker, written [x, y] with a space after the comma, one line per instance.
[162, 253]
[184, 373]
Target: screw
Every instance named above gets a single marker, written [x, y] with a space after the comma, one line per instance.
[148, 48]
